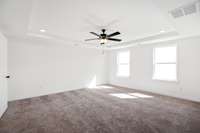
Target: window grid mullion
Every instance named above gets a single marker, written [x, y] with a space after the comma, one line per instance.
[165, 63]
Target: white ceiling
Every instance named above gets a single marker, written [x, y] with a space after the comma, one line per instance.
[70, 21]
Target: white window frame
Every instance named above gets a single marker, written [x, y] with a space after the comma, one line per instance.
[117, 64]
[154, 64]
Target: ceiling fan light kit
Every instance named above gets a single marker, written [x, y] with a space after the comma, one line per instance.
[103, 41]
[103, 37]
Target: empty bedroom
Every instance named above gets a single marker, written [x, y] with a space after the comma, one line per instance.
[91, 66]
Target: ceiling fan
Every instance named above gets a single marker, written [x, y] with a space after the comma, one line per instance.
[103, 37]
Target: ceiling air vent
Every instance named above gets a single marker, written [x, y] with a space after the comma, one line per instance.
[189, 9]
[186, 9]
[177, 13]
[198, 4]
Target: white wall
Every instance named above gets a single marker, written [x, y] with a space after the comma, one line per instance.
[39, 68]
[3, 74]
[188, 86]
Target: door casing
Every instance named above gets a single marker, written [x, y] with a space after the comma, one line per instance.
[3, 74]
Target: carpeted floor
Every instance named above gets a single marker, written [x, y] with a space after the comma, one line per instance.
[101, 110]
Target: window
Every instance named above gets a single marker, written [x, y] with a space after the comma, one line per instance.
[165, 63]
[123, 64]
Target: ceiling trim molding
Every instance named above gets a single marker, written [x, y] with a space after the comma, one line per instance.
[158, 41]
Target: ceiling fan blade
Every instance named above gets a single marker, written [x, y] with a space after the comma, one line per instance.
[114, 39]
[95, 34]
[113, 34]
[91, 39]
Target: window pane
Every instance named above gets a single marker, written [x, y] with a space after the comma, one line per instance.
[165, 72]
[123, 57]
[165, 54]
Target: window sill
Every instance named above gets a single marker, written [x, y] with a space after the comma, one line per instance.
[166, 80]
[124, 77]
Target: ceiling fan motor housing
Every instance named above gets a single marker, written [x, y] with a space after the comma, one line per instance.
[103, 36]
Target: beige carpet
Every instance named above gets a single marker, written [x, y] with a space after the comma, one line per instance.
[101, 110]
